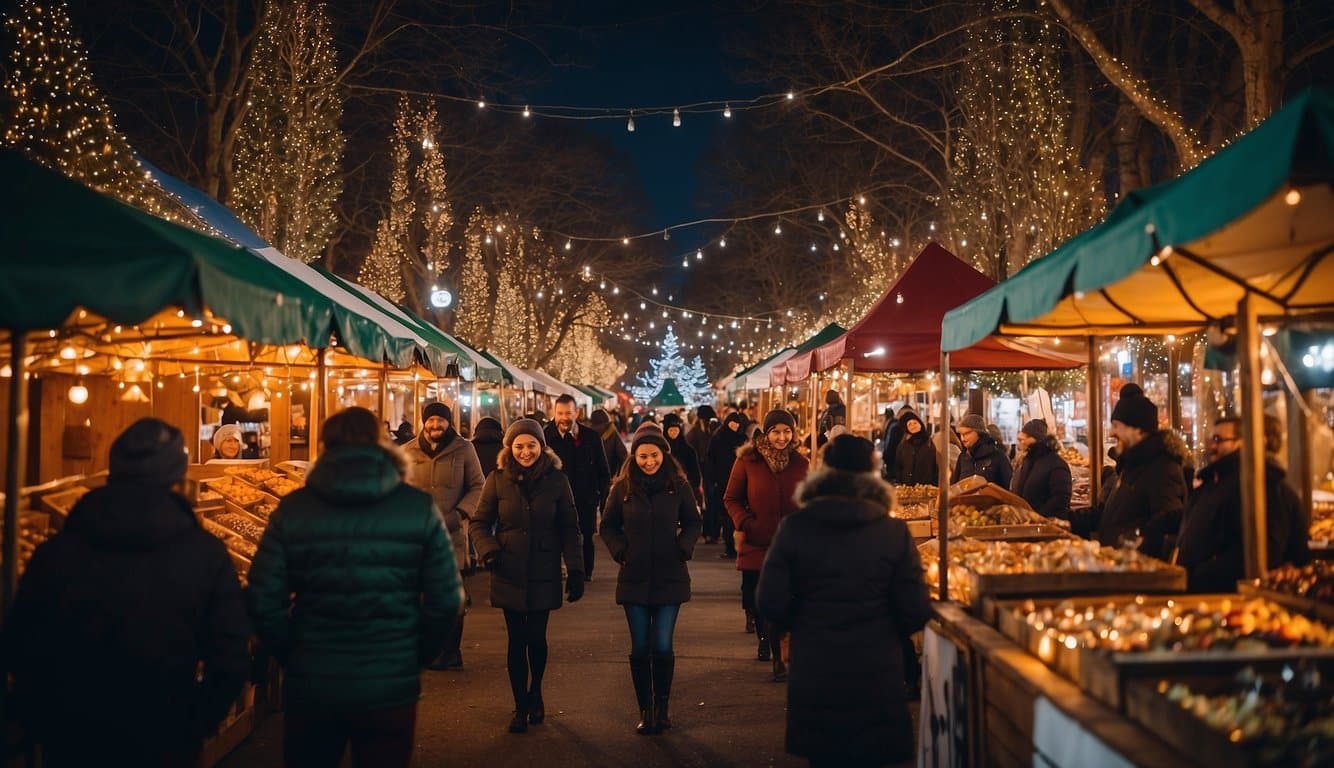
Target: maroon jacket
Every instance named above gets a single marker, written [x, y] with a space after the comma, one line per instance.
[756, 499]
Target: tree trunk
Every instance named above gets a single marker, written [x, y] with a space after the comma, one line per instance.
[1125, 142]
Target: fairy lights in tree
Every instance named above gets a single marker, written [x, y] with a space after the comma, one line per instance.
[56, 115]
[691, 378]
[382, 271]
[290, 147]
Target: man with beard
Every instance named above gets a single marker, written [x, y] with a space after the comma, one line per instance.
[446, 466]
[1150, 491]
[1211, 537]
[584, 462]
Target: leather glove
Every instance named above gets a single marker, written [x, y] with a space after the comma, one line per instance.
[574, 586]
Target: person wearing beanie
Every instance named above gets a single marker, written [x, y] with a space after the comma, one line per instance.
[612, 444]
[845, 654]
[131, 556]
[1043, 478]
[1150, 494]
[915, 458]
[584, 461]
[698, 438]
[893, 436]
[525, 525]
[488, 440]
[227, 442]
[446, 466]
[981, 455]
[759, 494]
[723, 447]
[650, 525]
[674, 430]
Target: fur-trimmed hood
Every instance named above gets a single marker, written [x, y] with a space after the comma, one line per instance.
[840, 487]
[1176, 446]
[550, 454]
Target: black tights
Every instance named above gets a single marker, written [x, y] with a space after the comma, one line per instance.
[527, 631]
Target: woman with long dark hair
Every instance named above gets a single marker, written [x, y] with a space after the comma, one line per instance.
[525, 523]
[650, 524]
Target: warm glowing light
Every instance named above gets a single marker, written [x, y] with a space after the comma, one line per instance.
[78, 394]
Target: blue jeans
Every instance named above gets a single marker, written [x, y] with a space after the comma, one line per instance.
[651, 628]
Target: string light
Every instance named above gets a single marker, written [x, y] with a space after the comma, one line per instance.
[727, 110]
[630, 124]
[676, 118]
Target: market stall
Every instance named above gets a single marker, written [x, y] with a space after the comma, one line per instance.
[795, 373]
[1061, 671]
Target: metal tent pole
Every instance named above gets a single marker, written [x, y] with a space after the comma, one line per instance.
[16, 460]
[1095, 422]
[1253, 533]
[943, 460]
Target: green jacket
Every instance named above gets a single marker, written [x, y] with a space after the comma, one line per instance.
[354, 586]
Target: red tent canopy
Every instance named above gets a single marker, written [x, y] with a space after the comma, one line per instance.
[901, 332]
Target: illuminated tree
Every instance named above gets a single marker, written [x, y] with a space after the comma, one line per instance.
[56, 115]
[691, 378]
[382, 271]
[289, 150]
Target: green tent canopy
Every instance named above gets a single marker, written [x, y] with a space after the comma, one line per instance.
[1257, 216]
[797, 368]
[668, 397]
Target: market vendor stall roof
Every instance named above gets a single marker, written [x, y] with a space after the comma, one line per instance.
[1255, 217]
[378, 328]
[901, 332]
[513, 374]
[797, 367]
[758, 375]
[557, 387]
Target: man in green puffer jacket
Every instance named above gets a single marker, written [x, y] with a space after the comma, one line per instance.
[354, 588]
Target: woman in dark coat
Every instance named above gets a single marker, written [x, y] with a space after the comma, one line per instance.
[758, 495]
[650, 524]
[525, 523]
[1043, 478]
[722, 455]
[915, 459]
[675, 431]
[845, 698]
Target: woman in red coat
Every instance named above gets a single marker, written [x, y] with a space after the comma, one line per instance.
[759, 494]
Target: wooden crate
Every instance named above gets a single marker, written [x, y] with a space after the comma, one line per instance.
[1169, 579]
[1024, 532]
[1303, 605]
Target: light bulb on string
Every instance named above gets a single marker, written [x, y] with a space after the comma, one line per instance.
[820, 216]
[699, 255]
[526, 113]
[481, 103]
[568, 246]
[722, 243]
[727, 110]
[778, 228]
[676, 118]
[630, 124]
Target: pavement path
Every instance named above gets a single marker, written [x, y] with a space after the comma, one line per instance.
[726, 711]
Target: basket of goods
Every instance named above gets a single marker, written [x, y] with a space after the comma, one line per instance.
[916, 494]
[241, 524]
[1102, 645]
[280, 486]
[1307, 588]
[1253, 718]
[252, 475]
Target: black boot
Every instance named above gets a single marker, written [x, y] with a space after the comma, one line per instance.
[750, 623]
[780, 669]
[519, 722]
[537, 709]
[641, 673]
[664, 667]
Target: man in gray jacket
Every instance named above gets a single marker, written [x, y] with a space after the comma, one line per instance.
[446, 466]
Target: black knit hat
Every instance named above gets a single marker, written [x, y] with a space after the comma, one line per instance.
[672, 420]
[705, 412]
[850, 453]
[525, 427]
[651, 433]
[778, 416]
[1131, 389]
[437, 409]
[599, 418]
[1136, 411]
[149, 451]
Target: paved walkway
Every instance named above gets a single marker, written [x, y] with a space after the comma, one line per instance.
[725, 709]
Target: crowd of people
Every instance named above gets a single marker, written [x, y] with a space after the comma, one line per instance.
[358, 581]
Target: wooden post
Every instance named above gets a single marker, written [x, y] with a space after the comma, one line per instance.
[852, 370]
[1173, 386]
[943, 497]
[1253, 533]
[1095, 421]
[319, 405]
[16, 459]
[814, 387]
[384, 394]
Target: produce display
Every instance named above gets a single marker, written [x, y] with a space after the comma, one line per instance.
[1285, 718]
[1176, 625]
[1073, 458]
[1313, 582]
[252, 475]
[242, 525]
[1060, 556]
[920, 511]
[240, 493]
[263, 510]
[967, 515]
[915, 494]
[280, 486]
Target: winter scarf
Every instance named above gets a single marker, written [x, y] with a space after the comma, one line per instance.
[776, 459]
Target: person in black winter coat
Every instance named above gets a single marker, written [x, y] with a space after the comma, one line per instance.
[845, 698]
[674, 431]
[584, 462]
[915, 459]
[1211, 536]
[981, 455]
[893, 436]
[127, 637]
[722, 455]
[650, 525]
[612, 444]
[1150, 491]
[1043, 478]
[488, 439]
[525, 524]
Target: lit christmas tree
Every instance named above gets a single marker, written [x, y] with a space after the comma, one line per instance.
[1017, 189]
[691, 378]
[382, 271]
[290, 147]
[56, 115]
[433, 202]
